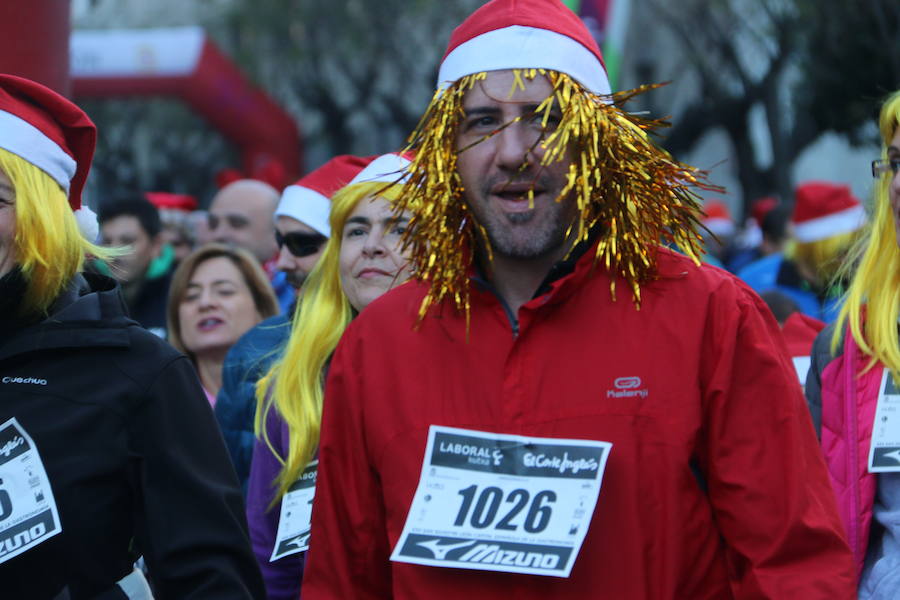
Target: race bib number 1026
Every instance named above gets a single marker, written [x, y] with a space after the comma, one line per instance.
[501, 502]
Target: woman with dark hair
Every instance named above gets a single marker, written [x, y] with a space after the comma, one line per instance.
[107, 449]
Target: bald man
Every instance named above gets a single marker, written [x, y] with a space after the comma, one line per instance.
[241, 214]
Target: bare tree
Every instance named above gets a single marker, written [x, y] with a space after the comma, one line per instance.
[741, 54]
[154, 145]
[850, 60]
[811, 65]
[356, 74]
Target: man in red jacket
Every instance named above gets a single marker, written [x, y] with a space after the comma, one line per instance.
[560, 407]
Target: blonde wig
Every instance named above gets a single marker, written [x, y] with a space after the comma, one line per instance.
[50, 249]
[872, 302]
[294, 384]
[826, 257]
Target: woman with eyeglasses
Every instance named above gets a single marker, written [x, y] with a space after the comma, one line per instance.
[362, 260]
[301, 230]
[852, 385]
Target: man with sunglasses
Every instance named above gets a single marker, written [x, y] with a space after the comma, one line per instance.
[299, 247]
[301, 230]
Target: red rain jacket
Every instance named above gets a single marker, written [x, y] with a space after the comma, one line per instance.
[723, 403]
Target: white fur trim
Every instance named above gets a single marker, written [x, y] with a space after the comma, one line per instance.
[520, 47]
[389, 168]
[307, 206]
[28, 142]
[719, 226]
[87, 223]
[825, 227]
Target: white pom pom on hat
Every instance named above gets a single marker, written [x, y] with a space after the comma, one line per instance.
[53, 134]
[717, 218]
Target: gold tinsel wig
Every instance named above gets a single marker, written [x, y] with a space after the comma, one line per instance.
[624, 185]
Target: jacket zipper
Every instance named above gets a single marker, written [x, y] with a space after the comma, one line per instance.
[513, 320]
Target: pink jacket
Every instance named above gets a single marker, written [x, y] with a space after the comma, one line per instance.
[849, 398]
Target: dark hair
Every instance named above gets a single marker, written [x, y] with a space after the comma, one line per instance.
[774, 224]
[781, 305]
[139, 208]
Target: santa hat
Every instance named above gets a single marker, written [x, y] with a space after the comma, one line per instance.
[761, 207]
[54, 135]
[525, 34]
[174, 202]
[718, 218]
[309, 199]
[387, 168]
[823, 210]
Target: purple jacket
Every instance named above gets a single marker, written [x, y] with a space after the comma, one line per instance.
[282, 577]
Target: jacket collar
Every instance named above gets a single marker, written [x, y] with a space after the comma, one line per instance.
[575, 265]
[89, 313]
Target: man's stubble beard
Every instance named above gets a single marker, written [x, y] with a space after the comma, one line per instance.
[510, 238]
[295, 279]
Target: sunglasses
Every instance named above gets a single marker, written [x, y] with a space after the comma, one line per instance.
[299, 243]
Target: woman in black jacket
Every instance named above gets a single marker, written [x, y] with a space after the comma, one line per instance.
[108, 449]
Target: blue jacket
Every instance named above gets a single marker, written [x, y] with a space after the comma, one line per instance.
[284, 291]
[774, 272]
[246, 362]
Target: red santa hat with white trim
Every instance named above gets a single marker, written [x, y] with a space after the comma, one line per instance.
[718, 218]
[823, 210]
[525, 34]
[53, 134]
[172, 202]
[387, 168]
[309, 199]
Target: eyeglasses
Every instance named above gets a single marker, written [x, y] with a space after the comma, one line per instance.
[883, 167]
[300, 243]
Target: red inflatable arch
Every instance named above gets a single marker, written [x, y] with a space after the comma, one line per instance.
[34, 41]
[184, 63]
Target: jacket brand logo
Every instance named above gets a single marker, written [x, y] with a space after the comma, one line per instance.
[31, 380]
[627, 383]
[627, 387]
